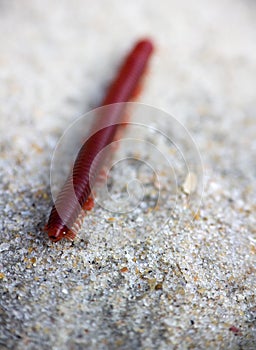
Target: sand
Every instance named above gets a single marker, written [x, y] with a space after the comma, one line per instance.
[144, 278]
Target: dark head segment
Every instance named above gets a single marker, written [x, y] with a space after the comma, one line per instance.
[56, 234]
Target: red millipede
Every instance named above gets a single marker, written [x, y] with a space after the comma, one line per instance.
[66, 216]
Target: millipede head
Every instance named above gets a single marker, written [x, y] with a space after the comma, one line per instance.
[56, 234]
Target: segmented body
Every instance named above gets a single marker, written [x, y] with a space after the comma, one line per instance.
[66, 215]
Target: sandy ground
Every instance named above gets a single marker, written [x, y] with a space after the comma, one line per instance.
[142, 279]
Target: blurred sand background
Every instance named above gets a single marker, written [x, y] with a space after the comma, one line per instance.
[187, 287]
